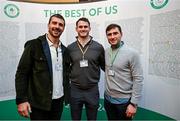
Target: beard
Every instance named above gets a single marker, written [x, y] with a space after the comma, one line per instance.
[56, 33]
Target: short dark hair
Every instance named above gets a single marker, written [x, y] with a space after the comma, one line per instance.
[82, 19]
[112, 26]
[57, 16]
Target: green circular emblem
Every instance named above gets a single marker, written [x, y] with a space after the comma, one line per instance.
[11, 10]
[158, 4]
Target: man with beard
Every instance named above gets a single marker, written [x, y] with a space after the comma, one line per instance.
[41, 78]
[86, 60]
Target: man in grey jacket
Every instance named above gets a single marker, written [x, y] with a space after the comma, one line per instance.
[124, 77]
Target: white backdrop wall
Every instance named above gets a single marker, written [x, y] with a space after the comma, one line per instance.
[150, 26]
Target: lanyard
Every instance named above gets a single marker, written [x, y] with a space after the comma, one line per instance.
[83, 52]
[58, 50]
[113, 56]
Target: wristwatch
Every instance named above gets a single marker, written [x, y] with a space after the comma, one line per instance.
[134, 105]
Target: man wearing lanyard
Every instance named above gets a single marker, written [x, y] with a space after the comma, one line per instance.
[86, 59]
[124, 77]
[41, 78]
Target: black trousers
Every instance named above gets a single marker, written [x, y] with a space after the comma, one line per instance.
[116, 111]
[54, 114]
[77, 106]
[88, 98]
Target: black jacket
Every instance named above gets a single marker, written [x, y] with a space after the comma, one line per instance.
[33, 79]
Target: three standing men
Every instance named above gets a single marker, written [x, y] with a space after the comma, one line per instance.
[41, 77]
[42, 81]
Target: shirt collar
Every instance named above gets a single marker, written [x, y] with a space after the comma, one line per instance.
[50, 43]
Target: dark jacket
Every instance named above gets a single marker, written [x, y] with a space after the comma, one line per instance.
[33, 79]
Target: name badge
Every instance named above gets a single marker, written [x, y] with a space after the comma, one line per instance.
[111, 72]
[84, 63]
[58, 67]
